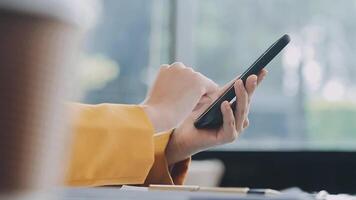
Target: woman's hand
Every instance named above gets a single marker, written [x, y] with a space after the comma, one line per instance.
[186, 140]
[174, 94]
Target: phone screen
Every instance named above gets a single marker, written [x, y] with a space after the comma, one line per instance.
[211, 118]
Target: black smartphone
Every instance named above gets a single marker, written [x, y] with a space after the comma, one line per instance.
[212, 117]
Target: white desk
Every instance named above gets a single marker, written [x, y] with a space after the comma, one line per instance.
[116, 193]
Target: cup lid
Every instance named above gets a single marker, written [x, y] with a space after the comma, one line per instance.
[81, 13]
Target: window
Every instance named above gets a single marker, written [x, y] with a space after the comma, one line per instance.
[308, 99]
[307, 102]
[124, 50]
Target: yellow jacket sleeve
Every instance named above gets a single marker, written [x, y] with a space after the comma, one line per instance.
[115, 144]
[160, 172]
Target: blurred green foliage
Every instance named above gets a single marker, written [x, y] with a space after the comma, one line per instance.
[331, 122]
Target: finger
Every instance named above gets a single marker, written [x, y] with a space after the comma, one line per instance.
[222, 89]
[229, 133]
[163, 66]
[178, 65]
[246, 123]
[241, 105]
[209, 86]
[204, 101]
[251, 84]
[263, 73]
[201, 107]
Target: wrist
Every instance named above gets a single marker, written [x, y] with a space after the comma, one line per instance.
[152, 116]
[160, 116]
[176, 150]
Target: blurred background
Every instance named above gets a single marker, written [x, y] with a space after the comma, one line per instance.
[302, 116]
[308, 100]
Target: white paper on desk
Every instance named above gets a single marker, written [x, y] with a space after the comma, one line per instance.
[324, 195]
[134, 188]
[340, 197]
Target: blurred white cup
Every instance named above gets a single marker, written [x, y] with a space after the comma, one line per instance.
[39, 41]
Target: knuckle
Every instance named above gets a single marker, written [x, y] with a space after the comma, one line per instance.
[243, 110]
[189, 69]
[196, 79]
[232, 123]
[178, 65]
[196, 76]
[233, 136]
[201, 89]
[246, 123]
[163, 66]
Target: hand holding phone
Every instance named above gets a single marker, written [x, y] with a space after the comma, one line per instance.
[211, 118]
